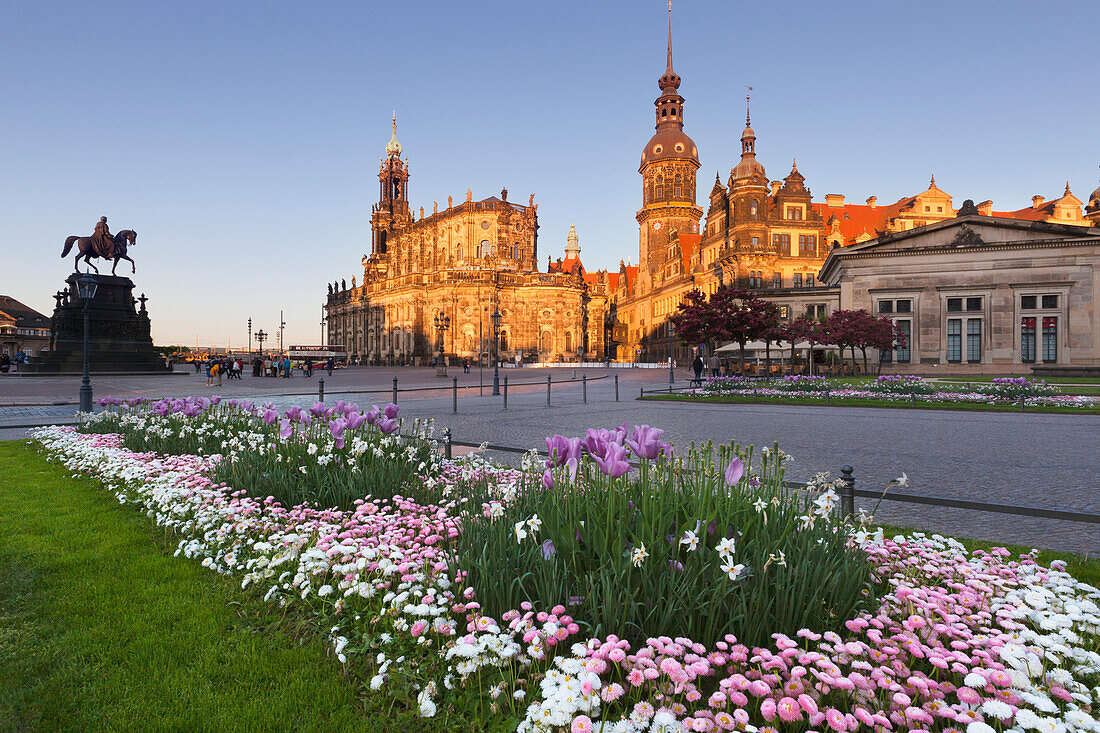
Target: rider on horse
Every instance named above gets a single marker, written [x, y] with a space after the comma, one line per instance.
[105, 241]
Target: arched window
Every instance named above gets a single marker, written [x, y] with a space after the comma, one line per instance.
[568, 342]
[459, 253]
[546, 342]
[486, 249]
[503, 341]
[753, 210]
[515, 251]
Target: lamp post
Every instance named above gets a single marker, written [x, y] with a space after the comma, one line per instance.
[87, 286]
[250, 338]
[442, 323]
[671, 373]
[496, 351]
[282, 325]
[324, 320]
[261, 336]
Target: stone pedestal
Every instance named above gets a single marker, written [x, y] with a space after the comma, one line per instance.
[119, 339]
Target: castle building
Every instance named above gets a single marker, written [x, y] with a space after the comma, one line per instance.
[464, 263]
[760, 234]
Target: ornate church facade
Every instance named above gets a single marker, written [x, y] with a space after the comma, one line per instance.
[440, 278]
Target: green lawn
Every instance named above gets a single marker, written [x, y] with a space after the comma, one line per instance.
[101, 629]
[852, 402]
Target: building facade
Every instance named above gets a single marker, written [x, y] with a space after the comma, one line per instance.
[979, 294]
[23, 330]
[770, 236]
[438, 280]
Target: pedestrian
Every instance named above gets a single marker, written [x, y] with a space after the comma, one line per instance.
[196, 363]
[286, 367]
[697, 367]
[329, 364]
[216, 371]
[309, 366]
[466, 365]
[713, 365]
[5, 363]
[210, 374]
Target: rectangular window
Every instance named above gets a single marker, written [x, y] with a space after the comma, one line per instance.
[974, 340]
[798, 279]
[777, 280]
[776, 241]
[678, 194]
[1050, 339]
[886, 306]
[809, 281]
[905, 306]
[905, 331]
[954, 340]
[1027, 340]
[1050, 301]
[756, 241]
[1028, 302]
[954, 305]
[973, 304]
[785, 240]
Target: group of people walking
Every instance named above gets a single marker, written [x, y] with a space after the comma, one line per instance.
[217, 369]
[266, 366]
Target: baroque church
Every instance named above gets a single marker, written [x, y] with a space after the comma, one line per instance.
[433, 283]
[478, 258]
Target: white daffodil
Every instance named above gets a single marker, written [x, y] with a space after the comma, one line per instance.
[639, 555]
[690, 541]
[521, 533]
[534, 523]
[726, 546]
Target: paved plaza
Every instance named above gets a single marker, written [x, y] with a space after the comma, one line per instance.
[1033, 459]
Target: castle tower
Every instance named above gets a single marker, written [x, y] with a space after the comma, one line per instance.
[748, 192]
[669, 163]
[392, 210]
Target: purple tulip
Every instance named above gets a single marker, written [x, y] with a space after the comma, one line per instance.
[285, 429]
[734, 471]
[387, 425]
[246, 405]
[547, 479]
[391, 411]
[613, 462]
[318, 409]
[339, 406]
[294, 413]
[336, 427]
[355, 420]
[192, 410]
[215, 400]
[646, 442]
[676, 565]
[548, 550]
[564, 452]
[373, 414]
[271, 417]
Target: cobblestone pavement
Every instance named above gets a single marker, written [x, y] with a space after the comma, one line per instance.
[1032, 459]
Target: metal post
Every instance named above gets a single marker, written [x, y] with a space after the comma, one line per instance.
[321, 389]
[574, 374]
[454, 395]
[641, 392]
[847, 492]
[395, 390]
[913, 400]
[447, 441]
[616, 387]
[584, 388]
[1021, 403]
[506, 392]
[671, 375]
[826, 397]
[86, 382]
[547, 390]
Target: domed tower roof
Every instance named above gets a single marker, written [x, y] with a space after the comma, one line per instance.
[393, 148]
[748, 166]
[670, 141]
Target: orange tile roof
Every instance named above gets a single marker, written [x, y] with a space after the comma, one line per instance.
[854, 219]
[688, 244]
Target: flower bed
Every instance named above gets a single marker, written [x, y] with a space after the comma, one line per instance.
[895, 388]
[944, 641]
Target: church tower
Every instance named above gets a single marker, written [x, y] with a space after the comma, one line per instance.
[392, 210]
[668, 167]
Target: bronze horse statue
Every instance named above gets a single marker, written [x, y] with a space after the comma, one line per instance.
[87, 250]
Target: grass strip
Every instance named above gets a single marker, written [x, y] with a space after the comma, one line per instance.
[864, 402]
[102, 629]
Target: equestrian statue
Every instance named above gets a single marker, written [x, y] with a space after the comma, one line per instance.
[102, 244]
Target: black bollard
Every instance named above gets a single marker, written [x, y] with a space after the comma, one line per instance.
[447, 443]
[584, 388]
[395, 390]
[454, 395]
[847, 492]
[547, 390]
[321, 389]
[616, 387]
[505, 392]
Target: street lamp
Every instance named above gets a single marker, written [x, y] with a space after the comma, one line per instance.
[87, 286]
[282, 325]
[442, 323]
[250, 338]
[261, 336]
[324, 320]
[496, 351]
[671, 333]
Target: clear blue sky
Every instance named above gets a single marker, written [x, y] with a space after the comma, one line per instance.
[241, 140]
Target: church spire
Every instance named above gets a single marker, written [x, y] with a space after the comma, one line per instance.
[670, 105]
[572, 246]
[393, 148]
[668, 66]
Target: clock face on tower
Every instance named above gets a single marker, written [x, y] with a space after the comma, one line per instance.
[657, 225]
